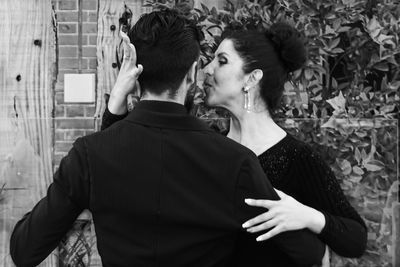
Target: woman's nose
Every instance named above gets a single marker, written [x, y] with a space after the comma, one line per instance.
[208, 69]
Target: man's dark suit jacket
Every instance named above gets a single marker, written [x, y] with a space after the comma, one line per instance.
[164, 190]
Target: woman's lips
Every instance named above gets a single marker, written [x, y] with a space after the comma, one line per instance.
[207, 90]
[206, 86]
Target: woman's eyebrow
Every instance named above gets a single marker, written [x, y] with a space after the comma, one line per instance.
[222, 54]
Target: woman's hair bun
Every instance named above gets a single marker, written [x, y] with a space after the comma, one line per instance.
[289, 44]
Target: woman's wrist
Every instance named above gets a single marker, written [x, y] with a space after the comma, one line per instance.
[117, 104]
[316, 222]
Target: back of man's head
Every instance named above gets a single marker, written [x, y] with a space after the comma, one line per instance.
[167, 44]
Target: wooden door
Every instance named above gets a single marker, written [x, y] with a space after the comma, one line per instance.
[27, 74]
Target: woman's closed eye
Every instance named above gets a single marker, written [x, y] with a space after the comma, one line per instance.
[222, 61]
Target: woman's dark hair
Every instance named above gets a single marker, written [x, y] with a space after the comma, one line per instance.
[277, 51]
[167, 44]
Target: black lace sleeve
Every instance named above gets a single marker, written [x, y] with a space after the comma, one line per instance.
[345, 231]
[109, 119]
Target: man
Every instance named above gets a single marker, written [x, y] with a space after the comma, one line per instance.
[163, 188]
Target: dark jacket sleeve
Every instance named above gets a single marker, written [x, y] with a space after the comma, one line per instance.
[109, 119]
[345, 231]
[302, 246]
[39, 232]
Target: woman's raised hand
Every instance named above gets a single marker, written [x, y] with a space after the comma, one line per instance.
[283, 215]
[127, 78]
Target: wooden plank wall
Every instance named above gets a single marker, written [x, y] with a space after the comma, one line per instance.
[27, 73]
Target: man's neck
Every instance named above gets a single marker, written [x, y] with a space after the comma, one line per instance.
[166, 97]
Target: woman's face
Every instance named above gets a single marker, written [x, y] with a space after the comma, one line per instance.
[225, 78]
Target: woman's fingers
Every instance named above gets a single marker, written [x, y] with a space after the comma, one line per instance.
[124, 37]
[132, 52]
[139, 70]
[273, 232]
[125, 43]
[280, 193]
[264, 203]
[129, 48]
[325, 259]
[138, 89]
[266, 216]
[263, 226]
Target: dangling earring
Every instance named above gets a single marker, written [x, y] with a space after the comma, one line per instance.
[247, 101]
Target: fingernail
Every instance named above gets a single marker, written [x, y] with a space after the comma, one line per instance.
[259, 239]
[247, 200]
[245, 225]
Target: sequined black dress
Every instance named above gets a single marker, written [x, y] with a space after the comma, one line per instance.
[294, 168]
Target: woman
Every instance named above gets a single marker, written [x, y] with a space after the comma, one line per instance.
[246, 77]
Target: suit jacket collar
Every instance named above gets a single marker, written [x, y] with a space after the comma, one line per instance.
[165, 114]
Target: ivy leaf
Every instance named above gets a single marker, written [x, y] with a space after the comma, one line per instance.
[338, 102]
[288, 87]
[345, 166]
[317, 98]
[322, 51]
[329, 30]
[358, 170]
[337, 50]
[344, 29]
[375, 33]
[336, 24]
[395, 85]
[334, 83]
[214, 12]
[372, 167]
[355, 178]
[364, 96]
[373, 25]
[357, 155]
[205, 9]
[382, 66]
[315, 109]
[371, 95]
[370, 156]
[383, 38]
[387, 109]
[318, 68]
[334, 43]
[361, 134]
[364, 155]
[377, 162]
[308, 74]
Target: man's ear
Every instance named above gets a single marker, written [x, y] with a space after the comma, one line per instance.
[254, 78]
[191, 75]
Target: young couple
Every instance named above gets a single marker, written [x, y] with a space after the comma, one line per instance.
[165, 190]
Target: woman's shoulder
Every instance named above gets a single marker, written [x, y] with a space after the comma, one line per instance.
[291, 146]
[279, 160]
[303, 151]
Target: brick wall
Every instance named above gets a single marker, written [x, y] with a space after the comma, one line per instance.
[77, 38]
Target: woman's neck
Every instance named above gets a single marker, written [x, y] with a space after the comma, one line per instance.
[255, 130]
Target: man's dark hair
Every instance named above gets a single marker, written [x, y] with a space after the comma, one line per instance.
[167, 44]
